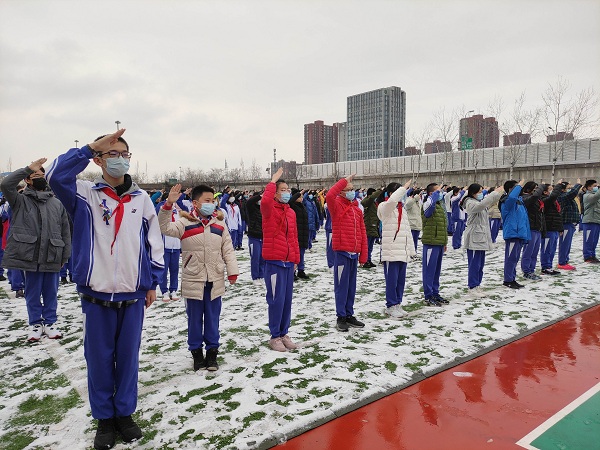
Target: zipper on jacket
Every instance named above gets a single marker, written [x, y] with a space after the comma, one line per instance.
[187, 261]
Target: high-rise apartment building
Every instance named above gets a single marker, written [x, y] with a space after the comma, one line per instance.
[437, 147]
[517, 138]
[320, 140]
[479, 132]
[376, 124]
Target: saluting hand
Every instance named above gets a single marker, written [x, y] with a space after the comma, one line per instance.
[37, 164]
[104, 144]
[174, 194]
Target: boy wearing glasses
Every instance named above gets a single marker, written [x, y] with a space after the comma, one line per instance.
[119, 262]
[349, 242]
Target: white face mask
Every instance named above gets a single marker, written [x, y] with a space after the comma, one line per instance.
[117, 167]
[231, 200]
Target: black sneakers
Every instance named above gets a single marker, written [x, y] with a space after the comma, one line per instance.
[441, 299]
[592, 260]
[550, 272]
[342, 324]
[63, 280]
[20, 293]
[354, 322]
[431, 301]
[368, 265]
[211, 359]
[130, 431]
[198, 356]
[302, 275]
[513, 285]
[105, 434]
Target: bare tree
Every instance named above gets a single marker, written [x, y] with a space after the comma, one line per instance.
[235, 176]
[567, 114]
[255, 171]
[216, 178]
[419, 141]
[445, 126]
[520, 119]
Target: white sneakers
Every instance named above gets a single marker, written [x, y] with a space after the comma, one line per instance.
[477, 292]
[395, 311]
[258, 282]
[36, 331]
[52, 332]
[166, 297]
[174, 296]
[277, 345]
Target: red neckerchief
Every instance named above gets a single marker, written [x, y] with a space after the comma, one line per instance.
[400, 206]
[117, 212]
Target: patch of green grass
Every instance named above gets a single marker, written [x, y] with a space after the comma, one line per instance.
[237, 370]
[488, 326]
[391, 366]
[321, 393]
[497, 315]
[267, 369]
[458, 350]
[360, 365]
[185, 435]
[15, 440]
[306, 413]
[46, 410]
[420, 336]
[448, 333]
[232, 405]
[198, 391]
[413, 307]
[224, 395]
[223, 418]
[375, 315]
[398, 340]
[417, 364]
[255, 416]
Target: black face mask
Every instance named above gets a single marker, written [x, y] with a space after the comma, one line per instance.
[39, 184]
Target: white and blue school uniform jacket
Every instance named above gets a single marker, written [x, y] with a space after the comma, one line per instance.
[134, 264]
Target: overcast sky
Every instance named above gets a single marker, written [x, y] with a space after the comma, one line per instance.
[200, 82]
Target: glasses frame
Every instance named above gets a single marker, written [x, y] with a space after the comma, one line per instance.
[116, 154]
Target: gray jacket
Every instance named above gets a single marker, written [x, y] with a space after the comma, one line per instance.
[39, 239]
[591, 207]
[477, 234]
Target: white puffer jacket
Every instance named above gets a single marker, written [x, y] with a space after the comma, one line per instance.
[396, 243]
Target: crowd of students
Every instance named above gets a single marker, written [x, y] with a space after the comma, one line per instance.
[126, 243]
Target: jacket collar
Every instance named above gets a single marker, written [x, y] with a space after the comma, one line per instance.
[40, 196]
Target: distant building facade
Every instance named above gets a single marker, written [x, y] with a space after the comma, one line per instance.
[289, 169]
[342, 141]
[411, 151]
[376, 124]
[517, 138]
[437, 147]
[320, 140]
[560, 136]
[479, 132]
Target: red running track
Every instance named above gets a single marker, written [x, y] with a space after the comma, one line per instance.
[512, 391]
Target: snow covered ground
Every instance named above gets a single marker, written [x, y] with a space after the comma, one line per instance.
[260, 397]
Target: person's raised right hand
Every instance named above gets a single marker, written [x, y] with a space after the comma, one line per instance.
[37, 164]
[277, 175]
[104, 144]
[174, 194]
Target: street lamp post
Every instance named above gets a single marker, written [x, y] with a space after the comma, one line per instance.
[118, 123]
[76, 143]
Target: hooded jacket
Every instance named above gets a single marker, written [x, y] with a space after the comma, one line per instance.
[591, 208]
[39, 238]
[554, 221]
[370, 214]
[254, 217]
[302, 220]
[535, 210]
[515, 223]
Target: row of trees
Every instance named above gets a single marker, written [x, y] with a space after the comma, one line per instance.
[559, 111]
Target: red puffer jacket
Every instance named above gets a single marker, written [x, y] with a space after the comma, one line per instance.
[280, 236]
[348, 226]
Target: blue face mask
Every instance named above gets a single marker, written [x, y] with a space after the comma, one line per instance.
[350, 195]
[595, 189]
[285, 197]
[207, 209]
[479, 196]
[310, 196]
[117, 167]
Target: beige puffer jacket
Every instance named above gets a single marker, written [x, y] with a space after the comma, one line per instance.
[205, 251]
[396, 244]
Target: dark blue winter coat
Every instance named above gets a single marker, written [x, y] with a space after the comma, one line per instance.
[515, 222]
[313, 214]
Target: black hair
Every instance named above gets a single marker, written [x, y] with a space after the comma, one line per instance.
[588, 183]
[164, 196]
[508, 185]
[370, 191]
[529, 187]
[545, 187]
[120, 139]
[28, 177]
[430, 188]
[201, 189]
[416, 191]
[450, 188]
[278, 182]
[391, 188]
[472, 190]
